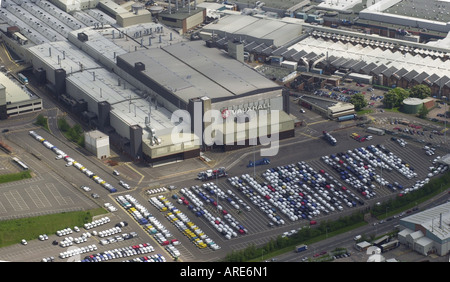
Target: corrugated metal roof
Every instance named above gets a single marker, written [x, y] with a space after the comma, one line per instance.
[388, 72]
[410, 75]
[367, 69]
[191, 70]
[378, 70]
[435, 220]
[421, 77]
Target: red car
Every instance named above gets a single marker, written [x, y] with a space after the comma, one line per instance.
[224, 212]
[313, 222]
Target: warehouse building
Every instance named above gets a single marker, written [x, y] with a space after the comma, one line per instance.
[328, 108]
[97, 143]
[187, 73]
[135, 84]
[184, 18]
[15, 99]
[427, 232]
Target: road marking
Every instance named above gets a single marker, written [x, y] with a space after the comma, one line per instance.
[132, 168]
[317, 122]
[310, 136]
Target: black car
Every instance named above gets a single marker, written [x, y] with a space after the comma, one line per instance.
[5, 130]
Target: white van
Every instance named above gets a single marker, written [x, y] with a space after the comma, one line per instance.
[357, 237]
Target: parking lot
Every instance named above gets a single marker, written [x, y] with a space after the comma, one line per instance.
[203, 221]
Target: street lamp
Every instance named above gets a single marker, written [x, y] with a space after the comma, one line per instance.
[445, 121]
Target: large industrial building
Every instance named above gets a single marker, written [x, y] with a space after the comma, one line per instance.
[132, 75]
[387, 55]
[427, 232]
[141, 83]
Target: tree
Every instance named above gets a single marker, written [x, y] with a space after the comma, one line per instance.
[423, 112]
[358, 101]
[63, 124]
[420, 91]
[41, 120]
[395, 97]
[390, 99]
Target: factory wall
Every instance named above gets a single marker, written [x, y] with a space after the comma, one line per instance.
[24, 107]
[195, 20]
[404, 21]
[271, 100]
[119, 125]
[38, 63]
[77, 93]
[128, 19]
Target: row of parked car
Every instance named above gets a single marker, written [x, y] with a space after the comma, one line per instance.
[301, 192]
[190, 229]
[71, 162]
[97, 222]
[355, 173]
[77, 251]
[392, 160]
[156, 190]
[151, 258]
[185, 226]
[256, 199]
[120, 253]
[212, 189]
[198, 207]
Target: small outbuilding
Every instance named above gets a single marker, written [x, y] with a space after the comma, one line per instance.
[97, 143]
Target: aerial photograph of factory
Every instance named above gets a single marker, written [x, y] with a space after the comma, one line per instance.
[218, 131]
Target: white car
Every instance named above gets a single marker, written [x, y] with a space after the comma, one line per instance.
[85, 188]
[24, 242]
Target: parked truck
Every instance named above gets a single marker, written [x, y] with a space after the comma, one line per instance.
[328, 137]
[212, 174]
[347, 117]
[377, 131]
[301, 248]
[262, 161]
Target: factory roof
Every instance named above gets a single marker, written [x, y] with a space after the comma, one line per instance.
[126, 102]
[182, 12]
[263, 30]
[374, 51]
[390, 71]
[435, 220]
[421, 77]
[424, 9]
[14, 92]
[191, 70]
[63, 55]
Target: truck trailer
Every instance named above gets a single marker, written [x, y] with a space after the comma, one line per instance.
[212, 174]
[377, 131]
[301, 248]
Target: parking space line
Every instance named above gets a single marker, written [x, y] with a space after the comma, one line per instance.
[16, 201]
[58, 197]
[37, 196]
[2, 208]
